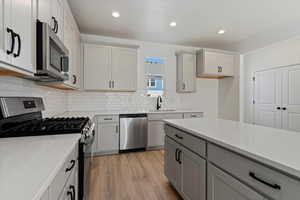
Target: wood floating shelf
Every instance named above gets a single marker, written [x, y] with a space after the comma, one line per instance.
[5, 72]
[211, 77]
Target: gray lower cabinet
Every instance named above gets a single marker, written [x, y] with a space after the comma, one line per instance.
[107, 138]
[222, 186]
[156, 133]
[185, 170]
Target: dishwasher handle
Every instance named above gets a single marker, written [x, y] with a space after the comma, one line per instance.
[133, 115]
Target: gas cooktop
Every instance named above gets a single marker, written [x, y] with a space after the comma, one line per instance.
[47, 126]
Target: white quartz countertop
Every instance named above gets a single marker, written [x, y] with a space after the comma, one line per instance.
[92, 114]
[274, 147]
[29, 164]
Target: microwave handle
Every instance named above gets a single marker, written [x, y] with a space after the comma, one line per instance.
[65, 64]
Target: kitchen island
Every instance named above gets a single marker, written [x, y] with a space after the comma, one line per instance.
[231, 160]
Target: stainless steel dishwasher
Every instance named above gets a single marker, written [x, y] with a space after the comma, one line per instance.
[133, 132]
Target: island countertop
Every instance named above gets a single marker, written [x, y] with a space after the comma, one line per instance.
[29, 164]
[274, 147]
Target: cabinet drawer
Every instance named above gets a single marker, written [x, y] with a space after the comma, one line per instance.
[255, 174]
[161, 116]
[63, 174]
[193, 143]
[192, 115]
[108, 119]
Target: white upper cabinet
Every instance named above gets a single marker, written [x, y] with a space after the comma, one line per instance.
[211, 63]
[4, 43]
[124, 69]
[110, 68]
[52, 12]
[72, 42]
[186, 72]
[97, 73]
[18, 33]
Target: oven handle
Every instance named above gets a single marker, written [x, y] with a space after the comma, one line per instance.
[89, 135]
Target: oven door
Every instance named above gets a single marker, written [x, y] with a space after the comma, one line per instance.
[85, 165]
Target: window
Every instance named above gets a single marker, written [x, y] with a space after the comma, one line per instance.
[154, 76]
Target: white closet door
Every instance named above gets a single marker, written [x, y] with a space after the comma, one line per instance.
[291, 98]
[268, 98]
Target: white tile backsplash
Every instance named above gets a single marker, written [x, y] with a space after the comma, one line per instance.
[55, 100]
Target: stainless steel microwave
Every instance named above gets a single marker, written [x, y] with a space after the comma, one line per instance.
[52, 57]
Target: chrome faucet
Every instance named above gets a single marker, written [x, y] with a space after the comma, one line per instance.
[158, 102]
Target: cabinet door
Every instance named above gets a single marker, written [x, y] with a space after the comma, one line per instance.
[23, 23]
[193, 175]
[291, 98]
[268, 98]
[69, 43]
[225, 64]
[222, 186]
[210, 63]
[124, 69]
[44, 12]
[189, 72]
[172, 166]
[57, 11]
[108, 137]
[156, 133]
[97, 73]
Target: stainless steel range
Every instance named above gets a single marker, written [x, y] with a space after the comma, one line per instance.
[22, 116]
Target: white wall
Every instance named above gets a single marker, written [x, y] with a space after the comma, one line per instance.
[205, 99]
[55, 100]
[279, 54]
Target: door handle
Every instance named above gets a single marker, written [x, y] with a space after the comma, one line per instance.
[54, 25]
[176, 155]
[178, 136]
[179, 156]
[72, 165]
[113, 84]
[19, 46]
[74, 79]
[117, 129]
[220, 69]
[278, 108]
[12, 41]
[284, 108]
[72, 187]
[274, 186]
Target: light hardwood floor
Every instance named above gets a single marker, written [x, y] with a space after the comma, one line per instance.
[132, 176]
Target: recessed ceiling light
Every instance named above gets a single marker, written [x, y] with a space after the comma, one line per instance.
[115, 14]
[173, 24]
[221, 32]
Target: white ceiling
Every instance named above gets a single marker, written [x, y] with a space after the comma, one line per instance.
[197, 20]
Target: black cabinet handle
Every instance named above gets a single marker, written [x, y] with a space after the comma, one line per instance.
[19, 46]
[284, 108]
[179, 156]
[12, 41]
[278, 108]
[179, 137]
[55, 22]
[176, 155]
[72, 187]
[69, 193]
[274, 186]
[72, 166]
[74, 79]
